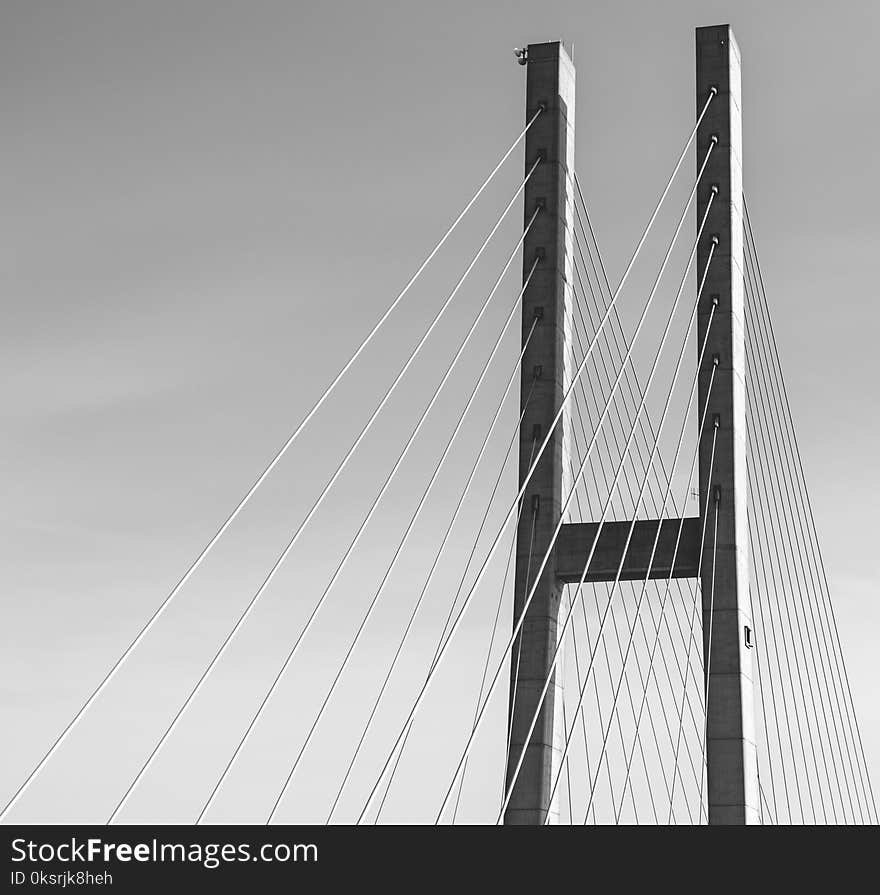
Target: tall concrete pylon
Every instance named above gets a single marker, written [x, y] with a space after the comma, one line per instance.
[731, 759]
[546, 368]
[732, 788]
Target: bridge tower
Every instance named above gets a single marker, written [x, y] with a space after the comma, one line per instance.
[546, 370]
[731, 761]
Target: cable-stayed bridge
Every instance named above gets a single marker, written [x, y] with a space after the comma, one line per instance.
[653, 597]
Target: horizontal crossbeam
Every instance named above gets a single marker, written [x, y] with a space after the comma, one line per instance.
[576, 542]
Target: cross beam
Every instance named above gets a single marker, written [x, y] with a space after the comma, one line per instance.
[609, 562]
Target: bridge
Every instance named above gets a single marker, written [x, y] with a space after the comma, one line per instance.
[654, 600]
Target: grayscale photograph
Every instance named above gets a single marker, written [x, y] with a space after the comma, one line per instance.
[417, 415]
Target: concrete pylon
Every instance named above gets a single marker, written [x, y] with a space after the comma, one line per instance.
[546, 371]
[732, 777]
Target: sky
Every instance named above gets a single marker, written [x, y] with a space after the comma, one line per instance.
[206, 207]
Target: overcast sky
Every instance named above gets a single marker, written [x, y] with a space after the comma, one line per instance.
[207, 205]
